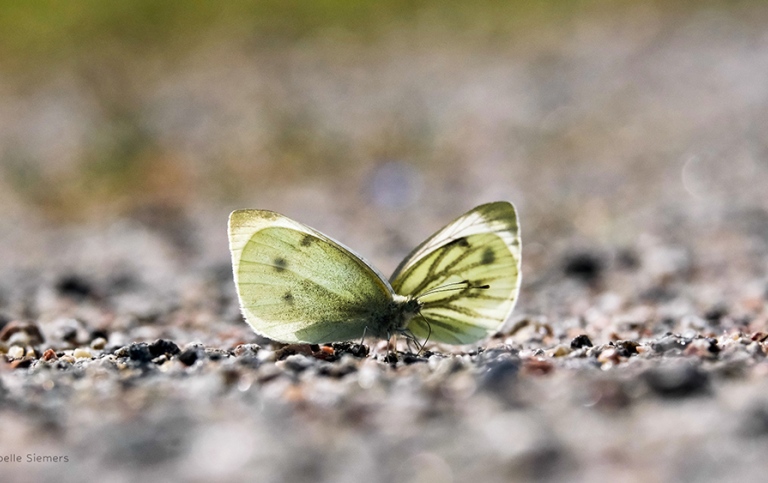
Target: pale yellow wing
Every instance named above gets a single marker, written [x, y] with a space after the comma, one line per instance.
[297, 285]
[482, 248]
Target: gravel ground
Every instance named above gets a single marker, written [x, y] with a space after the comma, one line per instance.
[639, 363]
[631, 141]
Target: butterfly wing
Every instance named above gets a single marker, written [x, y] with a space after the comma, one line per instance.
[297, 285]
[481, 247]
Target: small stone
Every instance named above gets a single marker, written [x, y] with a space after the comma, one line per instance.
[626, 348]
[82, 353]
[581, 341]
[99, 343]
[49, 355]
[26, 333]
[325, 353]
[215, 354]
[163, 347]
[16, 352]
[559, 351]
[610, 355]
[291, 349]
[246, 349]
[138, 351]
[357, 350]
[189, 356]
[670, 342]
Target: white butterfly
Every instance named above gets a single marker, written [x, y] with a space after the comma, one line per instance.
[297, 285]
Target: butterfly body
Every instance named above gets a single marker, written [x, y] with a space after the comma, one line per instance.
[297, 285]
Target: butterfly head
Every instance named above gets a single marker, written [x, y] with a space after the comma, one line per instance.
[407, 308]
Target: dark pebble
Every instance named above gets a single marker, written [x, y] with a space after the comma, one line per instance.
[21, 363]
[585, 266]
[216, 354]
[74, 286]
[137, 351]
[626, 348]
[357, 350]
[163, 347]
[413, 358]
[391, 358]
[581, 341]
[713, 347]
[677, 381]
[189, 356]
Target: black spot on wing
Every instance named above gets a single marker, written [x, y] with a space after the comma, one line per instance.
[461, 242]
[288, 297]
[307, 240]
[488, 256]
[280, 264]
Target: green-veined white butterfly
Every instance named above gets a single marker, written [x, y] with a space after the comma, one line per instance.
[297, 285]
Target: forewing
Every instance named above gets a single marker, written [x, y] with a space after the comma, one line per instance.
[297, 285]
[482, 247]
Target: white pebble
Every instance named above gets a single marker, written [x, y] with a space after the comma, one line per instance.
[16, 352]
[82, 353]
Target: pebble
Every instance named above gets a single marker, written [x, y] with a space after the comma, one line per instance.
[99, 343]
[21, 333]
[581, 341]
[163, 347]
[82, 353]
[189, 356]
[16, 352]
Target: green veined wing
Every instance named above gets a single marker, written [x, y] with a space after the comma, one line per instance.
[481, 248]
[297, 285]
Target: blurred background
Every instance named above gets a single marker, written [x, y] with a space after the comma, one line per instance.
[129, 131]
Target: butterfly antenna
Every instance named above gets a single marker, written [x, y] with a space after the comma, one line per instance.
[362, 339]
[464, 284]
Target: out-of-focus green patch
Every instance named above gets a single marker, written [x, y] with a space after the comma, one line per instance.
[34, 34]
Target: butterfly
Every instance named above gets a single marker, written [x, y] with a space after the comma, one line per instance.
[296, 285]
